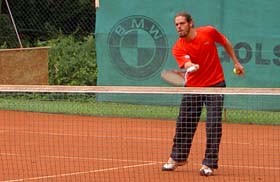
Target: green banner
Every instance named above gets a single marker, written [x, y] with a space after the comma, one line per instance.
[134, 40]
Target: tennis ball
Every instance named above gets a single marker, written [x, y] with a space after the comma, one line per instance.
[236, 71]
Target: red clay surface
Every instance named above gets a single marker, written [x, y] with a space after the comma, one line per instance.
[57, 147]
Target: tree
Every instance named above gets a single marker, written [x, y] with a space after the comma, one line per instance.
[43, 20]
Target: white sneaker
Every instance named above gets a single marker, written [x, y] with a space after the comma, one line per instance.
[206, 171]
[171, 165]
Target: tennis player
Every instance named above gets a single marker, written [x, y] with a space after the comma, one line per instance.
[198, 46]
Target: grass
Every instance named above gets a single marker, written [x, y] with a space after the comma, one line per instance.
[90, 108]
[93, 108]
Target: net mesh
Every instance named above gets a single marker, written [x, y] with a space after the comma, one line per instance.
[65, 134]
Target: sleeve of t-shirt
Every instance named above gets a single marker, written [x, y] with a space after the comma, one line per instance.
[180, 55]
[218, 37]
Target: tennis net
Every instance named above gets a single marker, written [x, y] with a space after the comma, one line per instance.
[114, 133]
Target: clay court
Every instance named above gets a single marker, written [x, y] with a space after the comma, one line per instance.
[58, 147]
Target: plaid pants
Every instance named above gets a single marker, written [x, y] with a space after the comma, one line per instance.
[186, 125]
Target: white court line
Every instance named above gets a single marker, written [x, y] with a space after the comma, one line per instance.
[79, 173]
[94, 158]
[251, 167]
[118, 168]
[147, 163]
[3, 131]
[126, 160]
[79, 158]
[142, 138]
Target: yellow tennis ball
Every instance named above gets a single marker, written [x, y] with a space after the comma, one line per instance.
[236, 71]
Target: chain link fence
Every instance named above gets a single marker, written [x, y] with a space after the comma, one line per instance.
[66, 26]
[43, 20]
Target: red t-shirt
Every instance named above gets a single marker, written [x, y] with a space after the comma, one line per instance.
[201, 50]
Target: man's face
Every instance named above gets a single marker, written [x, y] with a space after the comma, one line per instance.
[182, 26]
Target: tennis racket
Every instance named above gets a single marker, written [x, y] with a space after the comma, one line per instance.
[178, 78]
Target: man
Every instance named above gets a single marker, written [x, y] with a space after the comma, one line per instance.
[197, 46]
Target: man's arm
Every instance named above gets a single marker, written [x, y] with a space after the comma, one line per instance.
[230, 51]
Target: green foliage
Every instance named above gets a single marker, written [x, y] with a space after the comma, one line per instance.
[38, 97]
[71, 61]
[44, 20]
[7, 35]
[77, 14]
[64, 25]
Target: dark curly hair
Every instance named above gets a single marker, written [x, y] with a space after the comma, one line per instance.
[186, 15]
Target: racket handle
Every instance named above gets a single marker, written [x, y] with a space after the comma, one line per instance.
[193, 68]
